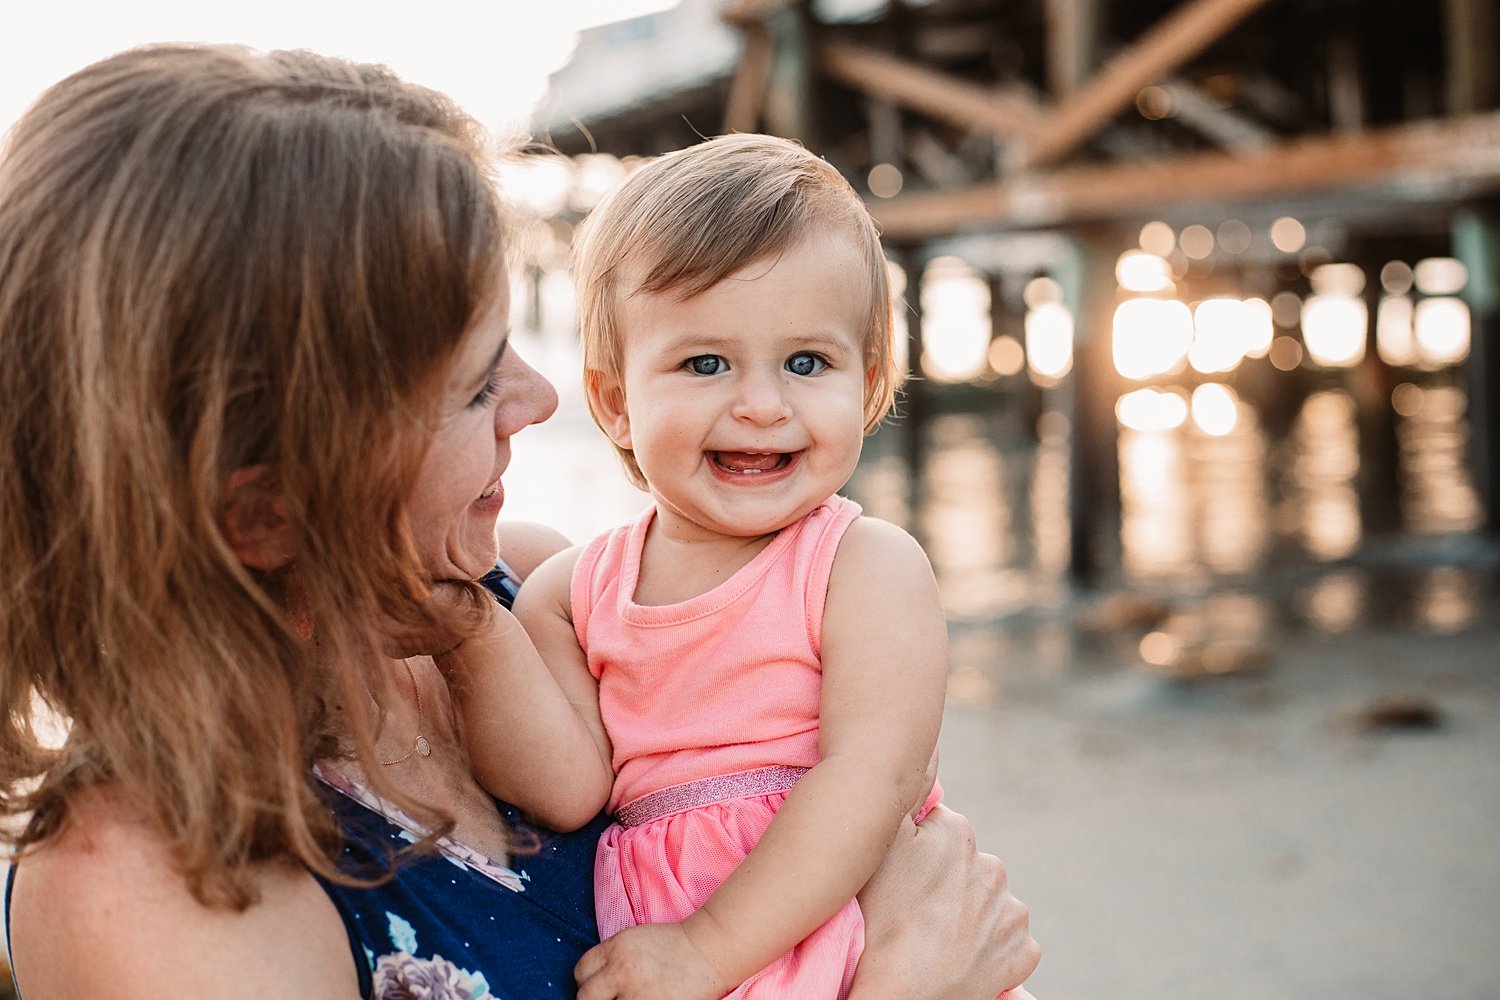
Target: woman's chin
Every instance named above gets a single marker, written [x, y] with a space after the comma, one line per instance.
[470, 564]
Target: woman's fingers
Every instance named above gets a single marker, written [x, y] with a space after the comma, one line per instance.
[941, 921]
[588, 974]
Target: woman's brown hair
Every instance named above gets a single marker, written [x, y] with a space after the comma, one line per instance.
[212, 259]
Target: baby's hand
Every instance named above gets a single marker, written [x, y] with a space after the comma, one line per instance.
[650, 962]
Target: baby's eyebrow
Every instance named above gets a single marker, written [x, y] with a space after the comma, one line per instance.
[825, 341]
[800, 340]
[698, 342]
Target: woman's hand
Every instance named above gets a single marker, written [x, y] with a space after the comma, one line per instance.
[649, 962]
[940, 920]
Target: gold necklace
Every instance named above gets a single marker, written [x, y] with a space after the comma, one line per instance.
[421, 746]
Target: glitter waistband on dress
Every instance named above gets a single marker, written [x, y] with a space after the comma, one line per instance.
[705, 791]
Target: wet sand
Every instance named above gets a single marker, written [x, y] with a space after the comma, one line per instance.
[1317, 826]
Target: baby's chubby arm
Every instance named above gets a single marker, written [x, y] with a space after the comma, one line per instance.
[885, 661]
[884, 673]
[529, 707]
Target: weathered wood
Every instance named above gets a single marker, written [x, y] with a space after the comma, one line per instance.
[1476, 241]
[747, 91]
[1436, 162]
[1006, 114]
[1087, 276]
[1072, 44]
[1182, 35]
[1346, 97]
[750, 11]
[1219, 125]
[914, 403]
[1473, 30]
[790, 108]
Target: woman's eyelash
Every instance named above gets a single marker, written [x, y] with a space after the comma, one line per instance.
[488, 393]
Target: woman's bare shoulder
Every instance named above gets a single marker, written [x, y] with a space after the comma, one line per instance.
[104, 911]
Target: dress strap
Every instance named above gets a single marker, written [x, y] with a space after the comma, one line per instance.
[502, 582]
[706, 791]
[10, 880]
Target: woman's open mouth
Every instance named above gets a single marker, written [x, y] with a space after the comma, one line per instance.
[492, 499]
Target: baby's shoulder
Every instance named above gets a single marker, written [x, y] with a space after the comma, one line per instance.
[878, 563]
[871, 538]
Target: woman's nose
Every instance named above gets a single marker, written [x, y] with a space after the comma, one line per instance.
[528, 397]
[762, 400]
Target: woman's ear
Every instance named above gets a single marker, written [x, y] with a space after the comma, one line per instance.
[254, 519]
[607, 400]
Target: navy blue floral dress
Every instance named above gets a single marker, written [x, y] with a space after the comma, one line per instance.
[456, 925]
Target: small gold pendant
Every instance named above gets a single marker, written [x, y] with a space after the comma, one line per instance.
[423, 747]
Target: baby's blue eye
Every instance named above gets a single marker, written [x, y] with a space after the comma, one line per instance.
[804, 363]
[707, 364]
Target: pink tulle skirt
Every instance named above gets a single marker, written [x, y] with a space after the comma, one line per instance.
[665, 868]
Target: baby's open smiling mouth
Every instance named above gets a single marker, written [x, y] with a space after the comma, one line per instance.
[751, 462]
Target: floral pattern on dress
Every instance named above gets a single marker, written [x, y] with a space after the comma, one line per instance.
[402, 975]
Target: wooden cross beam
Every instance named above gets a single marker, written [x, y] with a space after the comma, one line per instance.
[1190, 29]
[751, 11]
[1431, 162]
[747, 91]
[1008, 114]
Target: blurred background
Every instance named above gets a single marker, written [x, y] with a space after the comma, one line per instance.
[1201, 304]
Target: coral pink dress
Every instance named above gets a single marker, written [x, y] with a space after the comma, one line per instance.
[712, 707]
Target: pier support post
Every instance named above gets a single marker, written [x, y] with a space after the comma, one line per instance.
[914, 403]
[1094, 497]
[1476, 241]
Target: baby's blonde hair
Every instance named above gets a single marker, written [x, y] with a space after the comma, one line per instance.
[690, 219]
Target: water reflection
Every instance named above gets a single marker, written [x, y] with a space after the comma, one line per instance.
[1335, 603]
[1156, 523]
[1049, 496]
[1322, 503]
[1230, 484]
[1433, 434]
[967, 516]
[1447, 599]
[990, 506]
[1194, 497]
[1227, 632]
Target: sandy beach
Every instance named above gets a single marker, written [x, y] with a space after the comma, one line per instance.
[1318, 824]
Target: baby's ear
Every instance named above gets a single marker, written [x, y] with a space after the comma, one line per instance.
[607, 400]
[254, 519]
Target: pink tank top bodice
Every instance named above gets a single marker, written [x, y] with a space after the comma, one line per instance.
[724, 682]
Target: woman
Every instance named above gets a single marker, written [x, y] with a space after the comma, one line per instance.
[255, 405]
